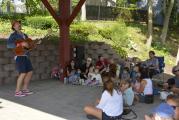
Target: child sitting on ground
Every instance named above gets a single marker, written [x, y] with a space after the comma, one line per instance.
[89, 75]
[136, 86]
[95, 79]
[162, 112]
[173, 101]
[128, 94]
[125, 74]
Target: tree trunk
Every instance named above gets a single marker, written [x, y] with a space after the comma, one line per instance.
[83, 12]
[8, 7]
[0, 9]
[164, 6]
[177, 60]
[166, 22]
[150, 24]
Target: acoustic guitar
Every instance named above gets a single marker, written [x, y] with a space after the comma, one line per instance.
[22, 46]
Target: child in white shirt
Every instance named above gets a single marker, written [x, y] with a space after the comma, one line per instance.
[96, 78]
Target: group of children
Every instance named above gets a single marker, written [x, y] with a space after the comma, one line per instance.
[135, 79]
[90, 74]
[77, 76]
[113, 101]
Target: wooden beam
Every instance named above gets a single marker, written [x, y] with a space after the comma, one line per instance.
[64, 50]
[64, 7]
[75, 12]
[52, 12]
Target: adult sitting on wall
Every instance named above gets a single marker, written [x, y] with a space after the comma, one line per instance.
[173, 83]
[152, 64]
[103, 64]
[110, 105]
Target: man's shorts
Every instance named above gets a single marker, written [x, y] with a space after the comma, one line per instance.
[23, 64]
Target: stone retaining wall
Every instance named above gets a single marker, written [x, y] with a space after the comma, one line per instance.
[44, 58]
[94, 49]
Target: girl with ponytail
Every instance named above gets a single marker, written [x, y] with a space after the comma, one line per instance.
[110, 106]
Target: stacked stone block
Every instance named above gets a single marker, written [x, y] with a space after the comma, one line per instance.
[43, 59]
[94, 49]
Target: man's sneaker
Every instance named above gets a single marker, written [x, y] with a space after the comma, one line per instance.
[27, 92]
[19, 94]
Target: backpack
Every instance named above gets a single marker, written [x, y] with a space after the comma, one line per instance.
[161, 63]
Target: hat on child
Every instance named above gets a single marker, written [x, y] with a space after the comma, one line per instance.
[164, 110]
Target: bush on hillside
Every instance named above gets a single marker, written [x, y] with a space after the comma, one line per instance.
[80, 32]
[117, 34]
[39, 22]
[12, 16]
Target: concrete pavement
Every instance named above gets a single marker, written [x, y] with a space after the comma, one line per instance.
[54, 101]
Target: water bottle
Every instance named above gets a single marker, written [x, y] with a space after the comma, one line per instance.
[65, 80]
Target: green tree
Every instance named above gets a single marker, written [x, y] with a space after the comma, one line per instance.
[150, 24]
[7, 6]
[32, 6]
[166, 21]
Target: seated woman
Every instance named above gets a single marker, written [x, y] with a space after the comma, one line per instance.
[153, 64]
[146, 87]
[110, 106]
[85, 68]
[71, 72]
[128, 94]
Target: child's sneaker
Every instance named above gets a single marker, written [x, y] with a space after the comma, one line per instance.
[27, 92]
[19, 94]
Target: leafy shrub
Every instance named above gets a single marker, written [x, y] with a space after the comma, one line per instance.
[80, 32]
[51, 39]
[39, 22]
[106, 33]
[12, 16]
[123, 13]
[120, 51]
[117, 34]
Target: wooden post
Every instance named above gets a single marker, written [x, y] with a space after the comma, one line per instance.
[64, 21]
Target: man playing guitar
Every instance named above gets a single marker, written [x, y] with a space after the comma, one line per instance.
[18, 41]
